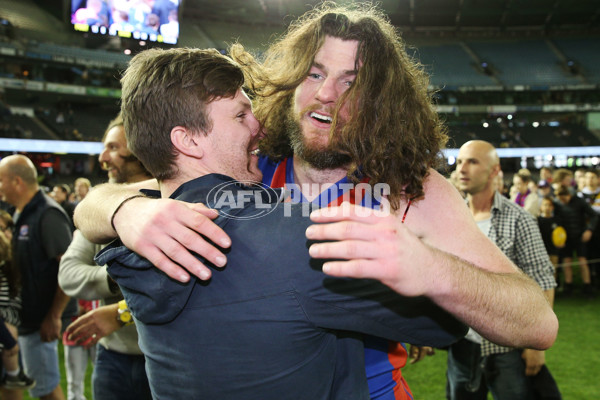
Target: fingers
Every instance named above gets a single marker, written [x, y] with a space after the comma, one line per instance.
[76, 331]
[360, 269]
[344, 230]
[347, 250]
[532, 370]
[84, 336]
[348, 212]
[210, 230]
[417, 353]
[173, 255]
[172, 233]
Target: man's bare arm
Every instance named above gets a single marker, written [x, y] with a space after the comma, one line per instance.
[439, 253]
[52, 324]
[92, 216]
[163, 231]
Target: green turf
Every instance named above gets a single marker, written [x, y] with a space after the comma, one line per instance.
[572, 360]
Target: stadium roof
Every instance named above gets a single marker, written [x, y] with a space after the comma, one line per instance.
[419, 16]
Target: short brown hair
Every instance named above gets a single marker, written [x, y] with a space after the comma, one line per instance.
[162, 89]
[560, 174]
[563, 191]
[524, 176]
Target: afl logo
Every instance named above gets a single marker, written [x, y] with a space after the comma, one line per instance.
[228, 197]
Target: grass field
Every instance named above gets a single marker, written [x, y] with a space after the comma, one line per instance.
[573, 360]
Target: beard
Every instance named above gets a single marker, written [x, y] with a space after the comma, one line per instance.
[130, 168]
[317, 157]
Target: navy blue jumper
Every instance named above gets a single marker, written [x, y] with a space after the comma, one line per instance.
[266, 326]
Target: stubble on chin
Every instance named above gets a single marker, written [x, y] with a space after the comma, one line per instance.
[319, 157]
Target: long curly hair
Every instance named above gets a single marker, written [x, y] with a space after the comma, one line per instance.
[394, 135]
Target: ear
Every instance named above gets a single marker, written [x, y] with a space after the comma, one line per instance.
[186, 142]
[495, 170]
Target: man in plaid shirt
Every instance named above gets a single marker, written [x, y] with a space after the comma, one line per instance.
[476, 365]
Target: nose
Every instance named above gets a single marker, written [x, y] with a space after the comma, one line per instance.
[103, 157]
[255, 126]
[328, 92]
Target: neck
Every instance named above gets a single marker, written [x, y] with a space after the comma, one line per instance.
[481, 204]
[313, 181]
[188, 168]
[25, 199]
[138, 178]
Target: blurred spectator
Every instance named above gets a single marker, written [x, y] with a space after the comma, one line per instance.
[82, 187]
[61, 193]
[94, 13]
[152, 25]
[10, 306]
[524, 196]
[118, 354]
[546, 174]
[544, 190]
[548, 222]
[163, 9]
[44, 233]
[591, 194]
[579, 179]
[580, 221]
[499, 184]
[562, 177]
[138, 12]
[170, 30]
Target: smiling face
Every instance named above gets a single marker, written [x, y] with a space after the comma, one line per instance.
[315, 99]
[116, 157]
[232, 142]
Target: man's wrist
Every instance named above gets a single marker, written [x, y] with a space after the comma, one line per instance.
[123, 314]
[125, 201]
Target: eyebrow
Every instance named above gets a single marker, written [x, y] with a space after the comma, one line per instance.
[245, 104]
[345, 72]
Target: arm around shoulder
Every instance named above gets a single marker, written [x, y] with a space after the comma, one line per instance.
[474, 280]
[93, 215]
[438, 251]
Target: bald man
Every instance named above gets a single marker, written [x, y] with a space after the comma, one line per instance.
[475, 365]
[42, 235]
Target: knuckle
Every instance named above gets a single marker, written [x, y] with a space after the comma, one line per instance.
[352, 249]
[348, 229]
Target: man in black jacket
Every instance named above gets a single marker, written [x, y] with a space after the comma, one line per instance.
[580, 222]
[42, 234]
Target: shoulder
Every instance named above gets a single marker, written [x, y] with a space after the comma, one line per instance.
[55, 215]
[438, 190]
[512, 210]
[441, 204]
